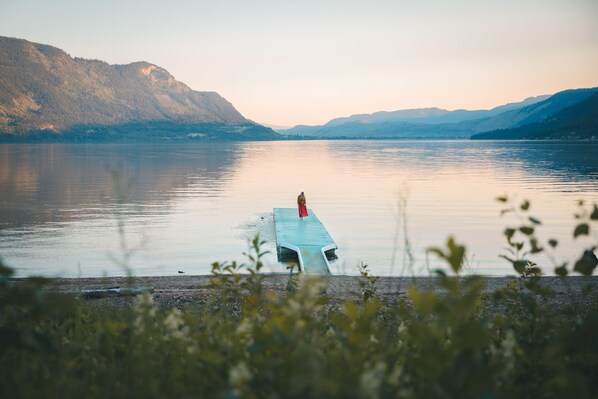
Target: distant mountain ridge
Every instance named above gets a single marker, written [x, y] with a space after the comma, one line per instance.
[46, 95]
[438, 123]
[433, 115]
[43, 89]
[579, 121]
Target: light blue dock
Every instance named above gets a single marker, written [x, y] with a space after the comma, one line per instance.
[308, 238]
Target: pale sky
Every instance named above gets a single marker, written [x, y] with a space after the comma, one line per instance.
[306, 62]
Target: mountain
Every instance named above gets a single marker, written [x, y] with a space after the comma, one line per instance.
[405, 115]
[439, 123]
[535, 113]
[432, 115]
[46, 93]
[576, 122]
[404, 122]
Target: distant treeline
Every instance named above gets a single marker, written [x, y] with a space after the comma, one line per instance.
[148, 131]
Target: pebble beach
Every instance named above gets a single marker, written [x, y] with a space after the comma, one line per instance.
[181, 291]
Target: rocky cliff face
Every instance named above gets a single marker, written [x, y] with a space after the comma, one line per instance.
[43, 88]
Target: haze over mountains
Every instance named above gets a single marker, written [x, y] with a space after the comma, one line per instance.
[45, 92]
[435, 123]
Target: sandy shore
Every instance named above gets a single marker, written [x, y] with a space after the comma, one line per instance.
[179, 291]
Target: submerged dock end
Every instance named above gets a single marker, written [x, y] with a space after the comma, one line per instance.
[306, 238]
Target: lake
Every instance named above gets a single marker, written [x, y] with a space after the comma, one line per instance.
[183, 206]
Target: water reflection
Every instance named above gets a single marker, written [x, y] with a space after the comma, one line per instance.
[450, 188]
[566, 163]
[198, 203]
[44, 183]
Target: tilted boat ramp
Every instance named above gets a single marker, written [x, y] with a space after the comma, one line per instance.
[307, 238]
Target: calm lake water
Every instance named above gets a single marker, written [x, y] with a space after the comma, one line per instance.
[189, 205]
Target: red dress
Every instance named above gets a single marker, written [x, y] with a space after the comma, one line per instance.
[302, 211]
[302, 208]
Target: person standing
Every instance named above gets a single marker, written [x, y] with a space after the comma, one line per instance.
[301, 204]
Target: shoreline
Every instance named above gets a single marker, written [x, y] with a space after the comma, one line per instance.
[182, 290]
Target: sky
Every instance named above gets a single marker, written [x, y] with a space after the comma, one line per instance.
[285, 63]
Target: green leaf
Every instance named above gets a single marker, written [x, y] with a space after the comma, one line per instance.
[553, 243]
[507, 258]
[525, 205]
[519, 266]
[534, 220]
[535, 247]
[437, 251]
[534, 271]
[528, 231]
[586, 264]
[5, 271]
[561, 271]
[440, 273]
[454, 256]
[509, 233]
[594, 215]
[502, 199]
[581, 229]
